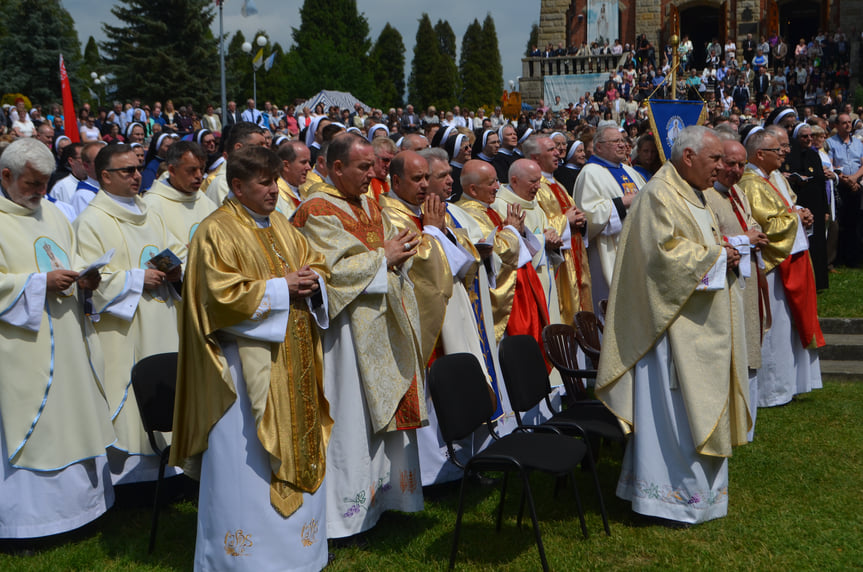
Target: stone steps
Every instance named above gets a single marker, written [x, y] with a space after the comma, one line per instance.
[842, 357]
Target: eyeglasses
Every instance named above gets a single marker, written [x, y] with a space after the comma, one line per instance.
[777, 150]
[128, 171]
[613, 141]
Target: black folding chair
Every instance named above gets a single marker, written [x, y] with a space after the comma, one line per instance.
[527, 385]
[463, 402]
[154, 380]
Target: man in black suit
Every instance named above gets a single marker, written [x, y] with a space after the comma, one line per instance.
[762, 84]
[410, 122]
[740, 95]
[748, 48]
[232, 116]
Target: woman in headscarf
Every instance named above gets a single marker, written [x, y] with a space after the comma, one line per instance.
[458, 147]
[486, 145]
[573, 161]
[155, 156]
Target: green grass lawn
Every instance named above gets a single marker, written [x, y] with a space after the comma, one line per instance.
[795, 498]
[844, 298]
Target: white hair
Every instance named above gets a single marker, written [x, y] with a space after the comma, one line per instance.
[693, 137]
[23, 152]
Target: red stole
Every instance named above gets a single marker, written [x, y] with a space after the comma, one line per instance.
[379, 187]
[798, 280]
[529, 313]
[763, 288]
[575, 239]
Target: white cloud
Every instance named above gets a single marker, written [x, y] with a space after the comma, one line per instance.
[512, 18]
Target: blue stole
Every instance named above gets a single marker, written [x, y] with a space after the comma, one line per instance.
[484, 344]
[620, 175]
[643, 172]
[87, 187]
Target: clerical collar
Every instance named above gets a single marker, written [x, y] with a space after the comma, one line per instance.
[596, 157]
[294, 190]
[549, 176]
[700, 194]
[484, 157]
[757, 170]
[323, 178]
[263, 221]
[92, 182]
[416, 209]
[127, 203]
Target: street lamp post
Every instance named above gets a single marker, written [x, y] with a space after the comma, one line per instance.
[100, 82]
[222, 63]
[247, 48]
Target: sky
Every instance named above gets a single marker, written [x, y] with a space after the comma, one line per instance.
[512, 18]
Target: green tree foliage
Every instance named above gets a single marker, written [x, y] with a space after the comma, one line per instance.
[447, 72]
[423, 79]
[532, 40]
[471, 66]
[331, 50]
[163, 49]
[434, 74]
[388, 57]
[238, 70]
[492, 65]
[33, 37]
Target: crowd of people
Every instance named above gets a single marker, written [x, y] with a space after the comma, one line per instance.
[308, 268]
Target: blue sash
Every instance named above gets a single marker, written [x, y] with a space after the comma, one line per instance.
[484, 344]
[620, 175]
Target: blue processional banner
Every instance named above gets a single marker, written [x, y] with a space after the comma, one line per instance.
[669, 117]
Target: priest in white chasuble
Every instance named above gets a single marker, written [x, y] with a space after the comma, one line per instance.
[673, 362]
[55, 425]
[547, 258]
[789, 360]
[250, 409]
[573, 275]
[604, 191]
[373, 370]
[134, 306]
[178, 199]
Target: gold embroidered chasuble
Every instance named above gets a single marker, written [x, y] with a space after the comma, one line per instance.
[506, 249]
[664, 257]
[573, 276]
[429, 272]
[776, 220]
[312, 179]
[150, 327]
[230, 261]
[350, 234]
[51, 401]
[182, 212]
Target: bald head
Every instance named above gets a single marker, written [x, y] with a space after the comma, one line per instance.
[525, 177]
[479, 181]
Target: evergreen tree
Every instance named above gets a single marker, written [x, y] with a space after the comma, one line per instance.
[492, 66]
[388, 57]
[447, 85]
[532, 40]
[92, 63]
[423, 78]
[34, 36]
[471, 66]
[164, 49]
[331, 50]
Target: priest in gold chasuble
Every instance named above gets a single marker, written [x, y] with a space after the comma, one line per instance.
[250, 409]
[673, 362]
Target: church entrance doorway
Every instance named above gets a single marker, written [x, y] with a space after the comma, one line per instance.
[799, 19]
[701, 23]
